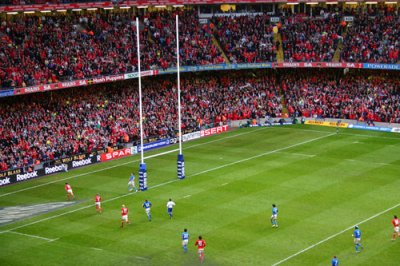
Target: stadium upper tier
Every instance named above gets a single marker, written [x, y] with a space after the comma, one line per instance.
[43, 49]
[41, 127]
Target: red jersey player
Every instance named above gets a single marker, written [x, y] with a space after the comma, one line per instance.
[124, 215]
[97, 200]
[70, 194]
[201, 244]
[396, 225]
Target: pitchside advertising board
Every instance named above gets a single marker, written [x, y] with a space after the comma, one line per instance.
[60, 165]
[213, 131]
[65, 164]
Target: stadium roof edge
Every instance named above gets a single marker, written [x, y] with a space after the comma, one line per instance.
[129, 3]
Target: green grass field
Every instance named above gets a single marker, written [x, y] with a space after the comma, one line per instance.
[323, 183]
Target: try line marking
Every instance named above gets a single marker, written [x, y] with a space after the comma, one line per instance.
[171, 181]
[334, 235]
[120, 164]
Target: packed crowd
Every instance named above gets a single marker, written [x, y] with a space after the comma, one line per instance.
[246, 39]
[195, 40]
[311, 39]
[355, 96]
[41, 49]
[44, 127]
[374, 39]
[41, 127]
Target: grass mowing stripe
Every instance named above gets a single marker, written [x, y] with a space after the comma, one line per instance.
[262, 154]
[342, 133]
[335, 235]
[117, 165]
[175, 180]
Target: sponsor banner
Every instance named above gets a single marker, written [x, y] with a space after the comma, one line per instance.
[7, 180]
[326, 124]
[74, 83]
[217, 67]
[55, 169]
[135, 75]
[115, 154]
[60, 165]
[213, 131]
[9, 173]
[106, 79]
[382, 66]
[33, 89]
[154, 145]
[317, 65]
[68, 160]
[382, 129]
[6, 93]
[84, 161]
[191, 136]
[396, 130]
[272, 124]
[17, 175]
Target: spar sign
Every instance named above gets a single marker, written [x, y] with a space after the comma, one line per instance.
[213, 131]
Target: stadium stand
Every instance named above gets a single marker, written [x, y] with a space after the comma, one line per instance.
[374, 37]
[38, 128]
[246, 39]
[307, 39]
[103, 43]
[361, 96]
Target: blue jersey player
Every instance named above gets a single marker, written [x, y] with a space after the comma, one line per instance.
[185, 240]
[335, 261]
[147, 205]
[357, 238]
[274, 216]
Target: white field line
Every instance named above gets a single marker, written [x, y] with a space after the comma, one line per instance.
[224, 184]
[360, 161]
[335, 235]
[187, 196]
[171, 181]
[141, 258]
[33, 236]
[99, 249]
[117, 165]
[299, 154]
